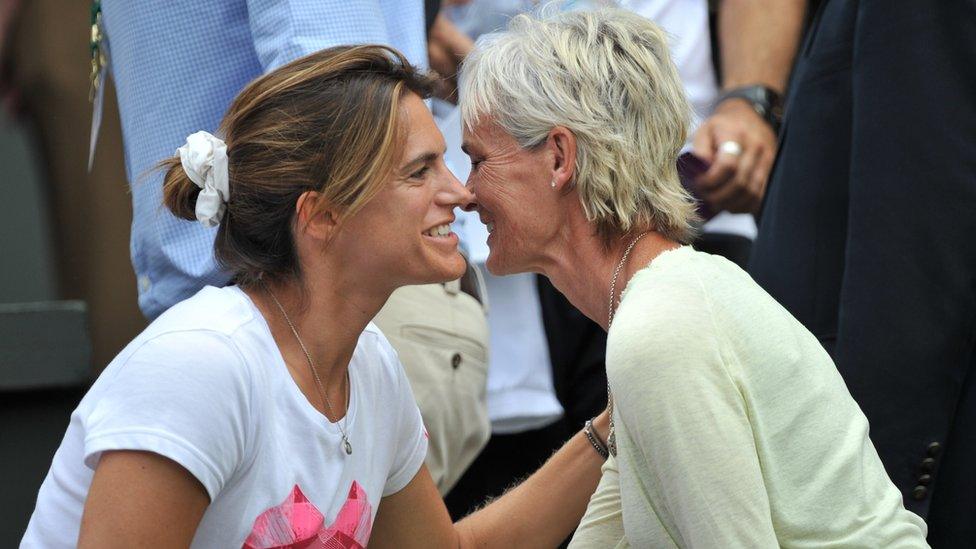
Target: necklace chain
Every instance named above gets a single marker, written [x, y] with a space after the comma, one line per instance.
[616, 273]
[612, 435]
[346, 445]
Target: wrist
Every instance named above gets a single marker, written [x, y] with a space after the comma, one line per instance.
[763, 100]
[598, 442]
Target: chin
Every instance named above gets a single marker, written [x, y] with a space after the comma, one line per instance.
[497, 265]
[447, 271]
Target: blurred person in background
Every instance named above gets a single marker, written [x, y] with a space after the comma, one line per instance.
[176, 66]
[547, 358]
[44, 86]
[866, 235]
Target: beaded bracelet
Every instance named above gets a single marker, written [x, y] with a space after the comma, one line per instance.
[595, 440]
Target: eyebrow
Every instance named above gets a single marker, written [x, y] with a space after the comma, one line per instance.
[422, 159]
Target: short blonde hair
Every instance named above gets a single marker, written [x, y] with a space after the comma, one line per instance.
[607, 76]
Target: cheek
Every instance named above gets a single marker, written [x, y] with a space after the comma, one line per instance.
[497, 197]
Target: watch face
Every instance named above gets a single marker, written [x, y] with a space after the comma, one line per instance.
[767, 102]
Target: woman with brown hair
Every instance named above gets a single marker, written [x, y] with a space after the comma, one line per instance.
[271, 413]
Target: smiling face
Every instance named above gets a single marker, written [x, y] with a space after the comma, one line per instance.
[514, 197]
[403, 234]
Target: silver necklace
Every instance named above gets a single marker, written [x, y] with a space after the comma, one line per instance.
[612, 435]
[318, 381]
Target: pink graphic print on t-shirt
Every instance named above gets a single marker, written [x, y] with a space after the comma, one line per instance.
[297, 524]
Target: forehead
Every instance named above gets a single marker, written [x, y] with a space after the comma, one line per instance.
[421, 130]
[486, 134]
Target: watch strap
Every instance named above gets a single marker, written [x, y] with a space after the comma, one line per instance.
[767, 102]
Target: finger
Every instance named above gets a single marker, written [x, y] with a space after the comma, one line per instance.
[753, 185]
[741, 202]
[747, 165]
[719, 173]
[720, 197]
[702, 143]
[440, 60]
[747, 194]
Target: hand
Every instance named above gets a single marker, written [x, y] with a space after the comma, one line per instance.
[735, 183]
[447, 46]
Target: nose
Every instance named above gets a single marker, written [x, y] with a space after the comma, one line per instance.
[459, 195]
[472, 204]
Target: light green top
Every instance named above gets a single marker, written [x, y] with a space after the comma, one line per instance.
[734, 428]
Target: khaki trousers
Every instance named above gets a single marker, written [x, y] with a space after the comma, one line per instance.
[441, 336]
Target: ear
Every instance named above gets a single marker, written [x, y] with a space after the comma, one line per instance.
[315, 217]
[562, 143]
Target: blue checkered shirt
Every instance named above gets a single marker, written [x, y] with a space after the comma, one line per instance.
[177, 65]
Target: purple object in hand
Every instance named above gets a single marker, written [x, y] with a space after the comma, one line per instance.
[690, 168]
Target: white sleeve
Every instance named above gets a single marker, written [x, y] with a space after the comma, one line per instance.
[184, 396]
[411, 436]
[602, 525]
[284, 30]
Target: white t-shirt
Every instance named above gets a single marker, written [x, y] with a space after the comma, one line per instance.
[206, 386]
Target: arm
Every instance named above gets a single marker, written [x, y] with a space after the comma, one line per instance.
[686, 427]
[447, 46]
[132, 494]
[603, 526]
[758, 40]
[168, 430]
[540, 512]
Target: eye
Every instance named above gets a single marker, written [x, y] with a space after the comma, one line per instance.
[475, 163]
[419, 174]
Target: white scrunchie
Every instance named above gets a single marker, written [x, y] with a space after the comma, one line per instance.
[204, 159]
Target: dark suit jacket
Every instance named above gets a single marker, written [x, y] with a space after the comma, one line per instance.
[867, 233]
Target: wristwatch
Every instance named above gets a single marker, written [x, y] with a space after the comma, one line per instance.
[767, 102]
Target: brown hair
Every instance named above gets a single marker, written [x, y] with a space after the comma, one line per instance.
[327, 122]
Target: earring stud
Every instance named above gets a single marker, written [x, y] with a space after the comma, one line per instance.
[552, 183]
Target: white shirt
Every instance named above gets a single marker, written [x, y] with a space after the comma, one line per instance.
[206, 386]
[733, 426]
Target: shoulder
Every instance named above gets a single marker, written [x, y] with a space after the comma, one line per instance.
[685, 293]
[664, 303]
[373, 341]
[199, 340]
[217, 310]
[668, 321]
[374, 348]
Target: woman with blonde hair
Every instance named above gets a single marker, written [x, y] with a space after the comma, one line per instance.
[731, 427]
[271, 413]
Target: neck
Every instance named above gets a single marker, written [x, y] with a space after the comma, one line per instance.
[589, 288]
[329, 311]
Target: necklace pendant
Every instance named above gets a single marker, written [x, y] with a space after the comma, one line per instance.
[346, 446]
